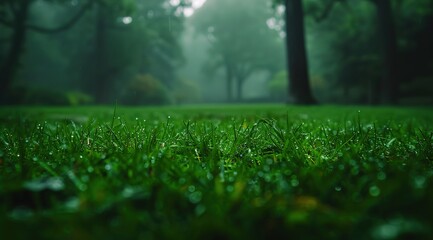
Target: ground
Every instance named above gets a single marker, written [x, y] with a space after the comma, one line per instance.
[223, 172]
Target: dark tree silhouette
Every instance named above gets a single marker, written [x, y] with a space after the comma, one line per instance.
[17, 22]
[390, 82]
[299, 85]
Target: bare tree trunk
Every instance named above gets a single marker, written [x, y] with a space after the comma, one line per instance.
[19, 28]
[12, 60]
[390, 82]
[299, 85]
[100, 81]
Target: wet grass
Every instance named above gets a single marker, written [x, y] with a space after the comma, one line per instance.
[222, 172]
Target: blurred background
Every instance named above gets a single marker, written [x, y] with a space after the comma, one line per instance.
[155, 52]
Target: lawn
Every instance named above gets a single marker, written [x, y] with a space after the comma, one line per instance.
[216, 172]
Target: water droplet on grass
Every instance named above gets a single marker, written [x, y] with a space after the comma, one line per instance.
[82, 187]
[294, 182]
[374, 191]
[195, 197]
[108, 167]
[200, 209]
[419, 182]
[381, 176]
[191, 188]
[72, 204]
[128, 192]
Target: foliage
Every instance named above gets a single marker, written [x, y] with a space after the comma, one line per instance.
[414, 20]
[111, 43]
[41, 96]
[77, 98]
[225, 172]
[185, 91]
[145, 90]
[35, 96]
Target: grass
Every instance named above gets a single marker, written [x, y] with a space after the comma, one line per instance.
[221, 172]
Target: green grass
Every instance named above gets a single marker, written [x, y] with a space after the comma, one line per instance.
[221, 172]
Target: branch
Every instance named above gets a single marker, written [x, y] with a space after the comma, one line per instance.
[65, 26]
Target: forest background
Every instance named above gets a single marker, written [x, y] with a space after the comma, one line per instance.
[153, 52]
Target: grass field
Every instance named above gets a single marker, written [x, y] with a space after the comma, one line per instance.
[216, 172]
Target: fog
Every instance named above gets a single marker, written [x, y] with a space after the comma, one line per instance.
[155, 52]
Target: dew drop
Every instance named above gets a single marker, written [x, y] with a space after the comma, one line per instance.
[200, 209]
[195, 197]
[419, 182]
[374, 191]
[381, 176]
[294, 182]
[108, 167]
[191, 188]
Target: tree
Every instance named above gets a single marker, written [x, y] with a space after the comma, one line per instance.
[241, 42]
[129, 38]
[390, 82]
[413, 20]
[105, 15]
[14, 14]
[296, 53]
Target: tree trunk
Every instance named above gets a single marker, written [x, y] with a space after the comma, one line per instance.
[299, 86]
[10, 65]
[100, 79]
[390, 82]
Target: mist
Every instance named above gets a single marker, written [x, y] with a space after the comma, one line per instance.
[153, 52]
